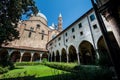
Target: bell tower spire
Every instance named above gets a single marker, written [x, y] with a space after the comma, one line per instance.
[60, 22]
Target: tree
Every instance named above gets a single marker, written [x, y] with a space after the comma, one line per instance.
[10, 14]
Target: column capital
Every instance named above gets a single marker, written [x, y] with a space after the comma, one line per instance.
[10, 51]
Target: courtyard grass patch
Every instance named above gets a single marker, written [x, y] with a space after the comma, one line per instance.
[36, 71]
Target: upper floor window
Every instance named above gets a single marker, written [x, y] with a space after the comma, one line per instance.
[59, 38]
[80, 25]
[30, 31]
[73, 30]
[95, 26]
[38, 26]
[59, 44]
[66, 33]
[73, 36]
[51, 44]
[92, 17]
[81, 33]
[66, 40]
[43, 32]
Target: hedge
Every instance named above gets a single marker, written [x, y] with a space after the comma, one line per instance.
[84, 72]
[27, 63]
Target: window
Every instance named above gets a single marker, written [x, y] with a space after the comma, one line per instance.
[81, 33]
[73, 36]
[92, 17]
[30, 32]
[37, 26]
[51, 44]
[95, 26]
[80, 25]
[73, 29]
[59, 44]
[42, 34]
[59, 38]
[66, 34]
[43, 31]
[66, 40]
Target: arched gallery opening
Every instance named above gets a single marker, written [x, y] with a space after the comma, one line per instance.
[3, 56]
[104, 55]
[26, 56]
[87, 53]
[45, 56]
[63, 55]
[72, 54]
[57, 56]
[15, 56]
[36, 57]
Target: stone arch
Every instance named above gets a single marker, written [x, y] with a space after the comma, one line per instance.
[57, 56]
[101, 44]
[87, 53]
[26, 56]
[72, 54]
[36, 57]
[53, 56]
[3, 56]
[15, 56]
[64, 55]
[45, 56]
[104, 55]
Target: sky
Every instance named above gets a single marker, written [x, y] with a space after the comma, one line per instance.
[71, 10]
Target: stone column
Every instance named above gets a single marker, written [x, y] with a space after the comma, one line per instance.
[21, 55]
[97, 54]
[31, 59]
[78, 58]
[40, 57]
[10, 51]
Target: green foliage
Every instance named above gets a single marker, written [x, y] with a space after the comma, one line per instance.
[44, 60]
[104, 60]
[84, 72]
[36, 72]
[4, 70]
[27, 63]
[62, 66]
[10, 14]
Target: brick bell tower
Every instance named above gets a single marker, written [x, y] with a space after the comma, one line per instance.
[60, 22]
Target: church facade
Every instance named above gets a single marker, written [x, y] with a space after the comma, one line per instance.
[34, 34]
[81, 42]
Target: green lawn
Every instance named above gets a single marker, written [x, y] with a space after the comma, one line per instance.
[39, 72]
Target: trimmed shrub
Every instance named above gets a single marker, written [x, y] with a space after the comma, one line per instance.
[27, 63]
[84, 72]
